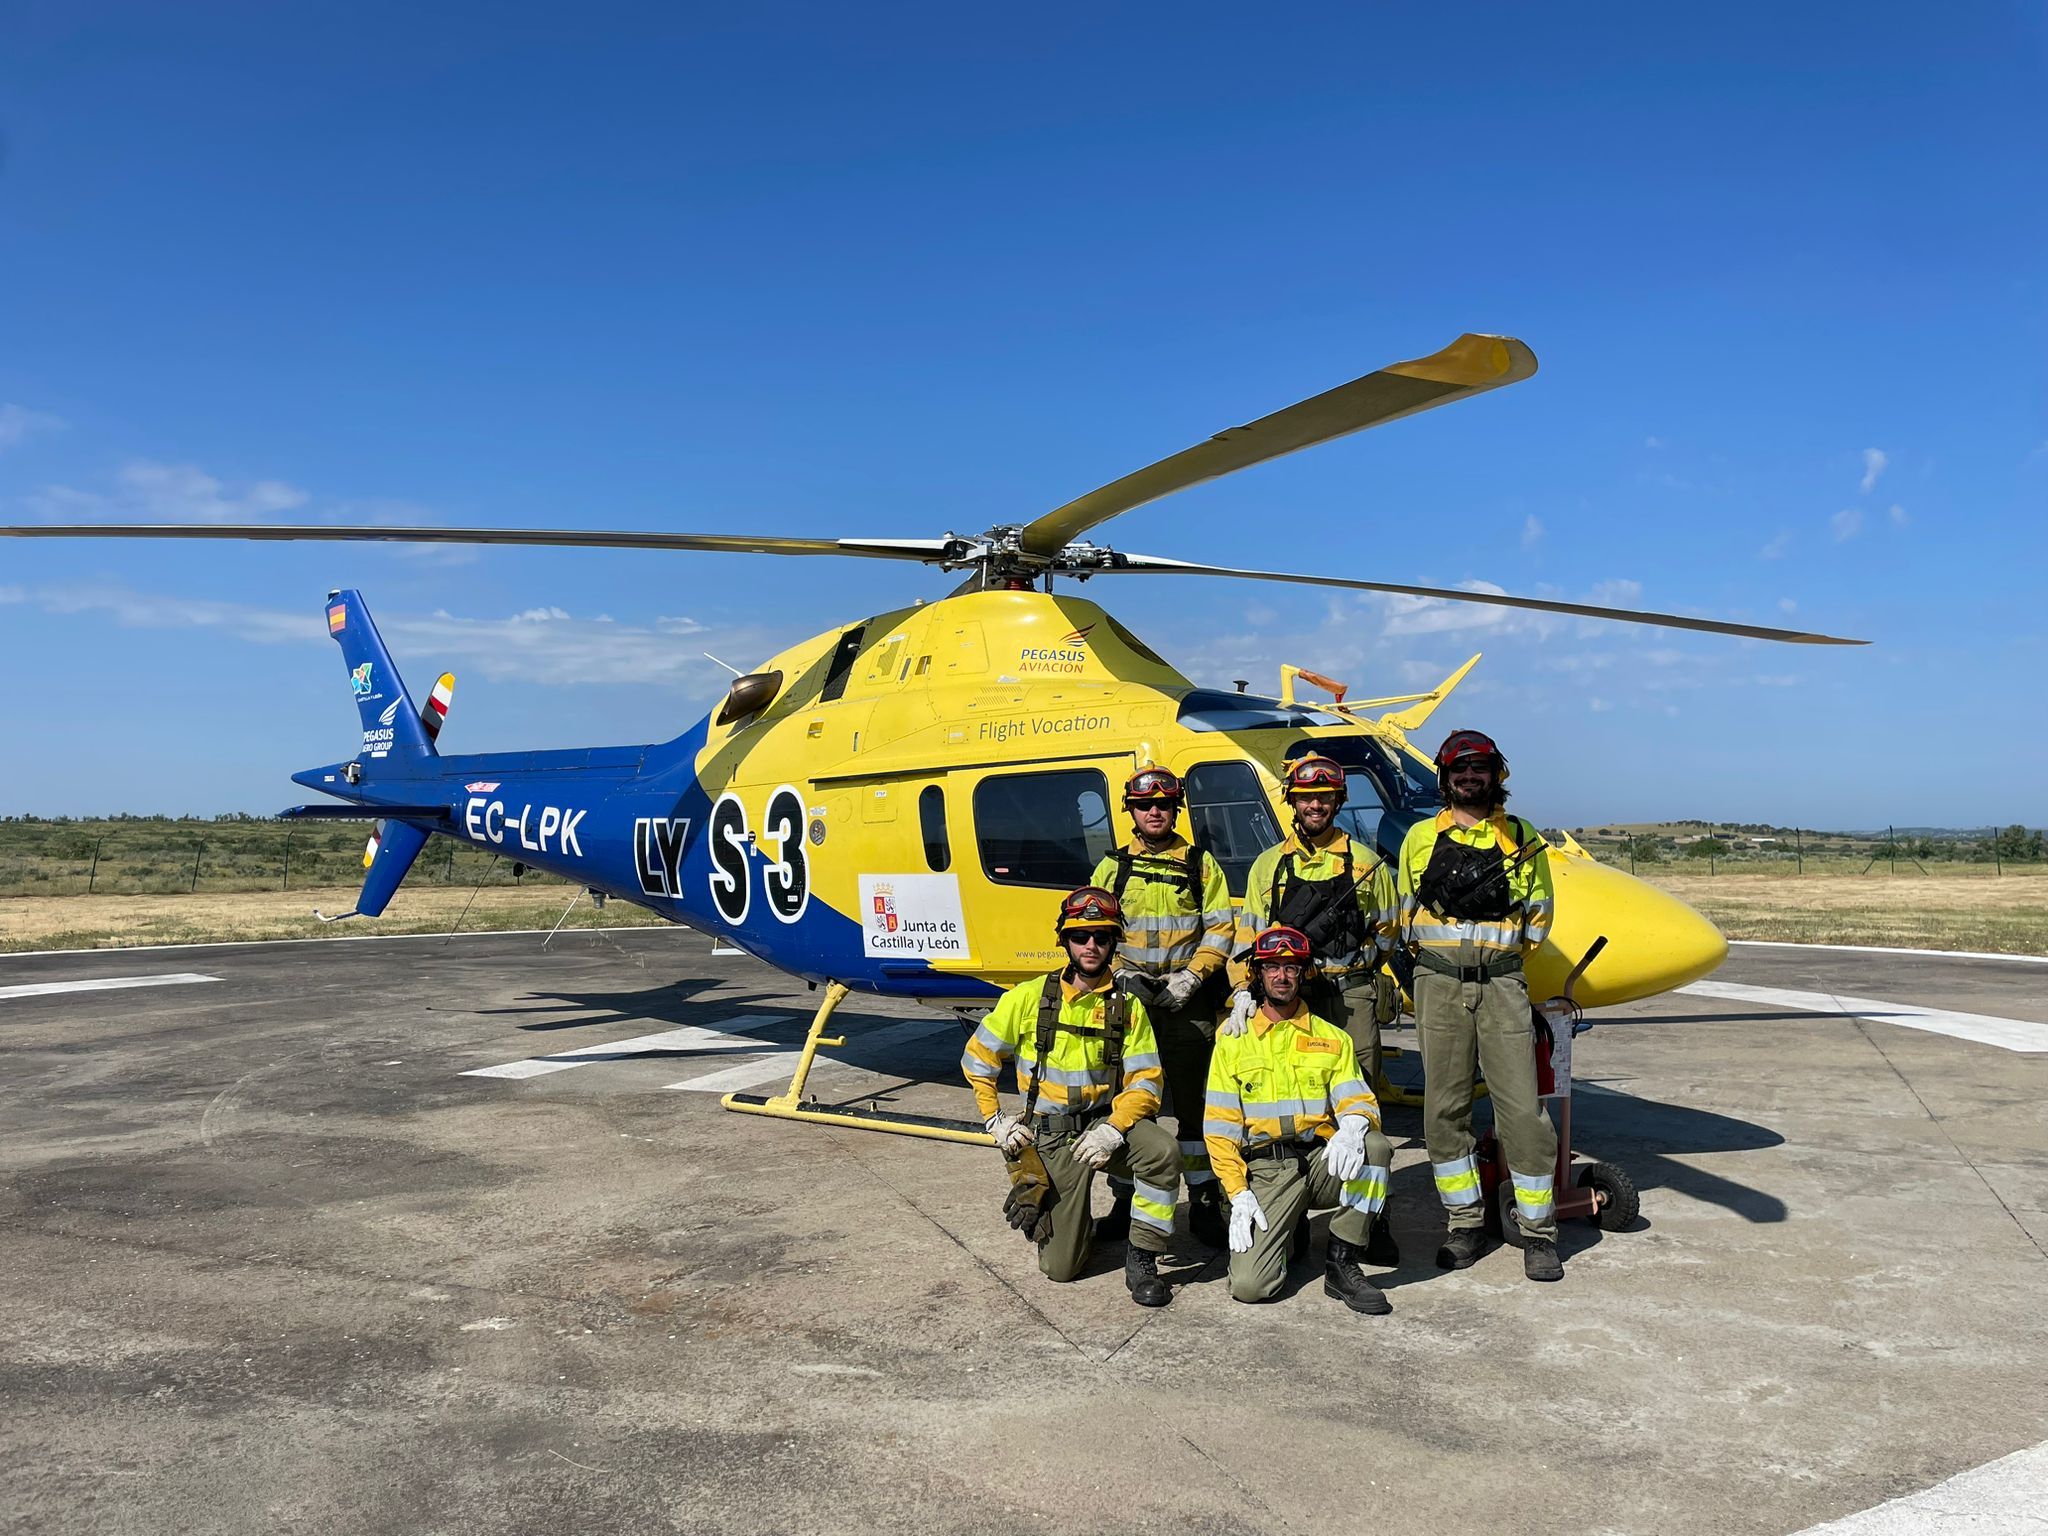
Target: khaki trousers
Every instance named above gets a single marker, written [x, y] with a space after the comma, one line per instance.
[1288, 1188]
[1148, 1156]
[1357, 1013]
[1186, 1042]
[1484, 1025]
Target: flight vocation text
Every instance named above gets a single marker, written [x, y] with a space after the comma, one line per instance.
[996, 732]
[538, 828]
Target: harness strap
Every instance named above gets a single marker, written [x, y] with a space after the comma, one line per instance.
[1116, 1020]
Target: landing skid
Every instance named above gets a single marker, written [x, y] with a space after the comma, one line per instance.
[791, 1105]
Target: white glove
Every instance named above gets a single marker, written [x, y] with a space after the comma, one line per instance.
[1012, 1134]
[1097, 1145]
[1179, 989]
[1245, 1213]
[1241, 1010]
[1344, 1153]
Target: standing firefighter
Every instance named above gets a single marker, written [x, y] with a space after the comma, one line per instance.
[1292, 1125]
[1177, 935]
[1088, 1070]
[1341, 895]
[1475, 901]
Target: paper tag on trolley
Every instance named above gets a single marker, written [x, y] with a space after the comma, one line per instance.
[1558, 1013]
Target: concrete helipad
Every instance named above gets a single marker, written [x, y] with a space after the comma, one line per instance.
[398, 1235]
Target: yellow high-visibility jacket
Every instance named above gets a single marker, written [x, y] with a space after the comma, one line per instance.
[1375, 895]
[1168, 927]
[1281, 1080]
[1074, 1078]
[1477, 943]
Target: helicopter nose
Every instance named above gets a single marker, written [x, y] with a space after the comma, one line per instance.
[1655, 942]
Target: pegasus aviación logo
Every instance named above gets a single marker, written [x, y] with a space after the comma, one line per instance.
[359, 681]
[1070, 654]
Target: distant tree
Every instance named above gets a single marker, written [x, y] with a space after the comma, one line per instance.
[1706, 848]
[2016, 845]
[1647, 850]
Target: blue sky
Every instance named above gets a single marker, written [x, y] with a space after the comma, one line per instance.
[819, 271]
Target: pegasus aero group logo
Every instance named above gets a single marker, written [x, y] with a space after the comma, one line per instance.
[390, 712]
[359, 681]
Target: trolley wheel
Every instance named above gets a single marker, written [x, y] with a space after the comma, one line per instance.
[1504, 1212]
[1616, 1203]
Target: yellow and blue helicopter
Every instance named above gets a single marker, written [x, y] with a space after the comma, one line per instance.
[890, 806]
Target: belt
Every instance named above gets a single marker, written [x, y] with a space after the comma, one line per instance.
[1045, 1121]
[1507, 965]
[1281, 1151]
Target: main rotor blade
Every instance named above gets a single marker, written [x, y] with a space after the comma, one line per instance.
[1468, 366]
[923, 550]
[1159, 565]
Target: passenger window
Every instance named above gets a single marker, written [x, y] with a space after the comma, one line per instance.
[1228, 813]
[1048, 829]
[931, 818]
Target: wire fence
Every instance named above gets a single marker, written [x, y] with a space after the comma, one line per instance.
[58, 859]
[1706, 849]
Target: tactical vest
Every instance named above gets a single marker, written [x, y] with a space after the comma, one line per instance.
[1116, 1018]
[1325, 910]
[1468, 884]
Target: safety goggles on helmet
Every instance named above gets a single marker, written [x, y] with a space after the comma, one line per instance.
[1153, 786]
[1315, 775]
[1461, 745]
[1090, 907]
[1280, 945]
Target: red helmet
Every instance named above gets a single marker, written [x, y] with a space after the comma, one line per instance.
[1153, 786]
[1089, 906]
[1282, 943]
[1462, 744]
[1315, 774]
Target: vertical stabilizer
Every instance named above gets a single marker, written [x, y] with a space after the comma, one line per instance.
[391, 722]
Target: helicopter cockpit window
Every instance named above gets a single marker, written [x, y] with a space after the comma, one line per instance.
[931, 821]
[842, 664]
[1048, 829]
[1228, 813]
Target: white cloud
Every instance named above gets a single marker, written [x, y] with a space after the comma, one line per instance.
[1874, 461]
[545, 646]
[1532, 531]
[1653, 442]
[1598, 706]
[18, 424]
[1438, 615]
[1775, 550]
[1787, 605]
[170, 493]
[1847, 523]
[1898, 516]
[12, 595]
[1619, 593]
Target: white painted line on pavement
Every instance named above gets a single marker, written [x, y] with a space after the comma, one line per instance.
[2000, 1496]
[1883, 949]
[692, 1037]
[782, 1063]
[1985, 1028]
[104, 984]
[347, 938]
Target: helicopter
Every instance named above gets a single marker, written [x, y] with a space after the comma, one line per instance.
[892, 806]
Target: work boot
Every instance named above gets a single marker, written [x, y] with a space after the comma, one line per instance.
[1207, 1218]
[1461, 1250]
[1381, 1251]
[1343, 1279]
[1116, 1226]
[1540, 1260]
[1141, 1275]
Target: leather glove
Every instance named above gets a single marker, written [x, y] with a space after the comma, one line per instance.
[1241, 1010]
[1095, 1146]
[1245, 1213]
[1178, 990]
[1011, 1133]
[1344, 1153]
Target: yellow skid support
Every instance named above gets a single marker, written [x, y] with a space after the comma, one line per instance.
[790, 1103]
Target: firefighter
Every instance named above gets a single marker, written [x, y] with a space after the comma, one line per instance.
[1178, 924]
[1088, 1070]
[1475, 902]
[1292, 1124]
[1341, 894]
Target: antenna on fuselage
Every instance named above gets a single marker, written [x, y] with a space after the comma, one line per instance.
[735, 671]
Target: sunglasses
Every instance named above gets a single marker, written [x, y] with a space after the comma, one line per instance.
[1090, 936]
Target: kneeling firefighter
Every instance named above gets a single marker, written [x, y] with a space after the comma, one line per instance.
[1088, 1070]
[1178, 923]
[1291, 1124]
[1340, 895]
[1475, 902]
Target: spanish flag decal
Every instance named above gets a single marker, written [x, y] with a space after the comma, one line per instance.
[337, 618]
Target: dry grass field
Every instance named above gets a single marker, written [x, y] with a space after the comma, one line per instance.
[1958, 907]
[104, 922]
